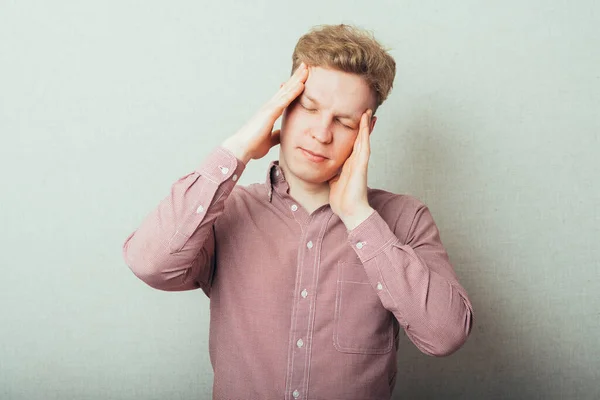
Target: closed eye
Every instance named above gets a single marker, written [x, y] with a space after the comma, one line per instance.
[312, 110]
[344, 125]
[307, 109]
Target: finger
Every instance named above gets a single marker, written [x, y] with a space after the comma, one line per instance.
[298, 76]
[361, 129]
[299, 72]
[365, 139]
[287, 92]
[290, 89]
[367, 128]
[297, 80]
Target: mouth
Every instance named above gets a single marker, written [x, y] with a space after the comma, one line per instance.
[315, 157]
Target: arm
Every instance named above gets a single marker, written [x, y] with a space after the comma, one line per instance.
[173, 248]
[413, 278]
[415, 281]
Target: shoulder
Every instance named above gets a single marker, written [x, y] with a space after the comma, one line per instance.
[398, 210]
[383, 200]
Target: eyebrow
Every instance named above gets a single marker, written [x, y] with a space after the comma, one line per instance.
[344, 116]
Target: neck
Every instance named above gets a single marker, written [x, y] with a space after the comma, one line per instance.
[309, 195]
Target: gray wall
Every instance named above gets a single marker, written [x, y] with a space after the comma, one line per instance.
[493, 122]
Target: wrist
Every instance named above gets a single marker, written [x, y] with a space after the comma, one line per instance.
[357, 217]
[237, 149]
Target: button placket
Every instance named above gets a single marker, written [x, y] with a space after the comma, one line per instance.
[298, 373]
[304, 308]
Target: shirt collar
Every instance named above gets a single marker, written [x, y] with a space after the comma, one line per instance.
[276, 179]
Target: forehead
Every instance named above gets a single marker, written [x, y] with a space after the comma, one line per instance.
[339, 91]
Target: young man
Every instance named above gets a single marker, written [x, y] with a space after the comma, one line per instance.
[311, 274]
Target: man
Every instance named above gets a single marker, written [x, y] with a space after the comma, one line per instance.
[311, 274]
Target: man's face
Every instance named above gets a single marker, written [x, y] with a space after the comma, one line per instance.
[323, 120]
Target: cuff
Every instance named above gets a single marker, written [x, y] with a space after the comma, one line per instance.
[221, 165]
[371, 237]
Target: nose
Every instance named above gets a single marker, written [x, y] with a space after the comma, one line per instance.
[321, 131]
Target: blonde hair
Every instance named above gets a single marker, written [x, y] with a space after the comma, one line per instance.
[349, 49]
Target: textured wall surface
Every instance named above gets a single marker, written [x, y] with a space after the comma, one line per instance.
[493, 122]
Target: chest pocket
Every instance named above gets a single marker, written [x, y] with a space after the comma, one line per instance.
[362, 325]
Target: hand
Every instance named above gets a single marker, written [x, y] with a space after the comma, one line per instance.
[256, 137]
[348, 190]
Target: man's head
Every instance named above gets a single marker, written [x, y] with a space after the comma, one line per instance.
[349, 73]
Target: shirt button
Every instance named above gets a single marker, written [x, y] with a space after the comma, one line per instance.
[234, 177]
[296, 394]
[199, 210]
[304, 293]
[294, 207]
[360, 245]
[224, 170]
[379, 286]
[300, 343]
[309, 244]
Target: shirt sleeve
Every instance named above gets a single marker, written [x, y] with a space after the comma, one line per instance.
[415, 281]
[173, 249]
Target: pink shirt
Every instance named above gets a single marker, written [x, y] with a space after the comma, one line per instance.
[301, 308]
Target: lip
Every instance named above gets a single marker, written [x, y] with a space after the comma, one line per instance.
[313, 156]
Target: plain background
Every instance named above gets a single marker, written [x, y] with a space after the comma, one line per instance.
[493, 122]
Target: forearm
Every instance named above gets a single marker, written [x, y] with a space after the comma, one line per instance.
[172, 246]
[434, 310]
[237, 148]
[416, 282]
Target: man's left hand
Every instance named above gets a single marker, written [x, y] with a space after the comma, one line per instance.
[348, 189]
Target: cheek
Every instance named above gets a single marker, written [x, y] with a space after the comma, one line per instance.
[346, 145]
[292, 110]
[289, 115]
[296, 118]
[293, 124]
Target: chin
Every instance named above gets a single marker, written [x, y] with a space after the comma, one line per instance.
[310, 172]
[315, 175]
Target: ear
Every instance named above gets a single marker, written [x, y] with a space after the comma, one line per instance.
[373, 120]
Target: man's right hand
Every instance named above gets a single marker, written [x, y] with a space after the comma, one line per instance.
[256, 137]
